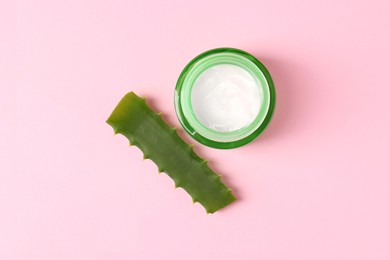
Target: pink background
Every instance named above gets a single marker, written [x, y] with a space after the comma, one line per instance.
[315, 185]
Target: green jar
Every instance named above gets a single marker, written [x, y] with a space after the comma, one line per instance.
[224, 98]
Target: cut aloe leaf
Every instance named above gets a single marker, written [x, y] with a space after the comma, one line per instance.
[145, 129]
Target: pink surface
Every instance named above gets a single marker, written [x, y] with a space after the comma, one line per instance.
[315, 185]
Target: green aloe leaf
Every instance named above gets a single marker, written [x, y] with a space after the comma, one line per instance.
[145, 129]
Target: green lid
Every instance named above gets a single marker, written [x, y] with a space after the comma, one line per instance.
[184, 90]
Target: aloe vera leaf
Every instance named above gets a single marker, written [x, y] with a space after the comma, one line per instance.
[145, 129]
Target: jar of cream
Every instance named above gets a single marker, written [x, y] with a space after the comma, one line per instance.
[224, 98]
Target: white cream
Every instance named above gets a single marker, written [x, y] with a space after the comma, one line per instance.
[226, 98]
